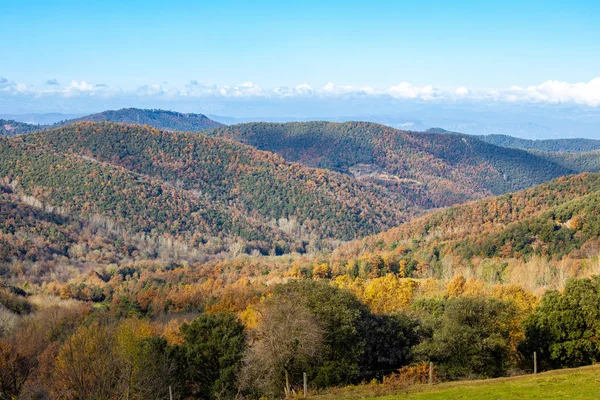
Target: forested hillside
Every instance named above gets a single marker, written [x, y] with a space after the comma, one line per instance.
[577, 161]
[161, 119]
[449, 168]
[550, 145]
[195, 189]
[124, 270]
[556, 225]
[11, 128]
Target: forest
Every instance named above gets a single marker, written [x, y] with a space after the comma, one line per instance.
[548, 145]
[450, 168]
[140, 263]
[161, 119]
[11, 127]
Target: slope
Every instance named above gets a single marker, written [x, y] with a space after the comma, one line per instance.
[553, 220]
[35, 241]
[11, 127]
[161, 119]
[549, 145]
[573, 383]
[448, 168]
[223, 188]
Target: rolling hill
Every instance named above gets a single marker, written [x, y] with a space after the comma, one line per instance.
[161, 119]
[194, 189]
[548, 145]
[448, 168]
[31, 233]
[11, 127]
[553, 220]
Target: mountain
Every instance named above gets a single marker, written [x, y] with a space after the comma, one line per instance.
[447, 168]
[547, 145]
[588, 161]
[12, 127]
[554, 220]
[31, 233]
[161, 119]
[195, 189]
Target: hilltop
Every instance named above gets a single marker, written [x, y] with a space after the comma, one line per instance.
[547, 145]
[11, 127]
[161, 119]
[195, 189]
[448, 168]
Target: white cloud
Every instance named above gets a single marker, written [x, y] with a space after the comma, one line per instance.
[77, 88]
[405, 90]
[587, 93]
[582, 93]
[302, 90]
[331, 89]
[246, 89]
[462, 91]
[151, 90]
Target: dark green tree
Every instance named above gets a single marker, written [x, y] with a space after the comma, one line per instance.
[564, 330]
[212, 352]
[470, 338]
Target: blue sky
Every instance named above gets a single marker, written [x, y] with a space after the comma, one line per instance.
[275, 43]
[65, 55]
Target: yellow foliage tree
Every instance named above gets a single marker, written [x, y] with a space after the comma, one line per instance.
[320, 271]
[389, 294]
[456, 286]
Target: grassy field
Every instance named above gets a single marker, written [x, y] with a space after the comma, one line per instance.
[579, 383]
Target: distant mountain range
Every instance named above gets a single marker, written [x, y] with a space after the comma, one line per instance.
[546, 145]
[175, 121]
[549, 145]
[161, 119]
[39, 119]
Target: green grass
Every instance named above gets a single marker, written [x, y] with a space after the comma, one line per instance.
[579, 383]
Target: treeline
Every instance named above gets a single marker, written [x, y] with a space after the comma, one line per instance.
[70, 350]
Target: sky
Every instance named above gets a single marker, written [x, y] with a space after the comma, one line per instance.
[331, 58]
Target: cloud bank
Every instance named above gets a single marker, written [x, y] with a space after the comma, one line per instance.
[550, 92]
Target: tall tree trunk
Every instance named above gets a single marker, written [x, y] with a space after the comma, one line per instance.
[287, 384]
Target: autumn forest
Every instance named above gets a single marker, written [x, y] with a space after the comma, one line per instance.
[149, 254]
